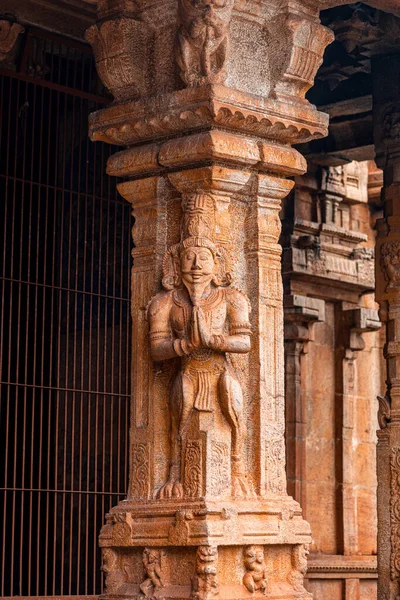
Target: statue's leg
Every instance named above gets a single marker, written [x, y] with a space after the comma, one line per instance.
[173, 487]
[180, 405]
[231, 401]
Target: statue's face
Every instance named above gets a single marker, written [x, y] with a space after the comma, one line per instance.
[152, 557]
[197, 265]
[260, 557]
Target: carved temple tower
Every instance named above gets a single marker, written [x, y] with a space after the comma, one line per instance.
[208, 99]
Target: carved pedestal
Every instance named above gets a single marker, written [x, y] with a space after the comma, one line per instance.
[207, 513]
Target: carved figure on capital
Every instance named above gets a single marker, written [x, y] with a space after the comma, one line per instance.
[205, 582]
[203, 40]
[255, 577]
[200, 319]
[153, 583]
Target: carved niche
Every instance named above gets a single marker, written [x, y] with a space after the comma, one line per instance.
[202, 42]
[200, 318]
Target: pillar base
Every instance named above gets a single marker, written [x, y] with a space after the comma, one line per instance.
[202, 549]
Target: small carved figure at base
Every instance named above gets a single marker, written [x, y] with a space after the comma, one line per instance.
[114, 576]
[299, 566]
[153, 584]
[205, 582]
[256, 576]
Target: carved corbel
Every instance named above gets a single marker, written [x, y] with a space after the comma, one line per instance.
[119, 47]
[360, 320]
[307, 40]
[301, 312]
[9, 33]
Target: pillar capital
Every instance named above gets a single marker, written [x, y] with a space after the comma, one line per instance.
[270, 49]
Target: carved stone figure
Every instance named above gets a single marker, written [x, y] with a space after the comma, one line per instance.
[390, 263]
[152, 566]
[205, 582]
[203, 40]
[114, 576]
[255, 577]
[200, 320]
[299, 566]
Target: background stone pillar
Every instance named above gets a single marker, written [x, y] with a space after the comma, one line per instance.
[208, 117]
[386, 109]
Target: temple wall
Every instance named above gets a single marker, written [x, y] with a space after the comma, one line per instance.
[334, 372]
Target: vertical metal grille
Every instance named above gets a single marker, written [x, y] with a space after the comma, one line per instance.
[64, 325]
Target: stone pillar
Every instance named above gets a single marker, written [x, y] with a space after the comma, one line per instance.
[301, 312]
[208, 115]
[351, 323]
[386, 71]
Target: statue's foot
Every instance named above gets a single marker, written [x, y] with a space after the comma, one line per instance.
[242, 487]
[171, 489]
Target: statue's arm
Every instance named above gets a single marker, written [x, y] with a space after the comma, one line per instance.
[163, 343]
[238, 339]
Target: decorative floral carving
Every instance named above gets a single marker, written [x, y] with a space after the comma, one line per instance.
[153, 584]
[201, 319]
[220, 465]
[9, 33]
[390, 263]
[192, 484]
[276, 478]
[395, 513]
[202, 43]
[256, 576]
[299, 566]
[140, 472]
[205, 582]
